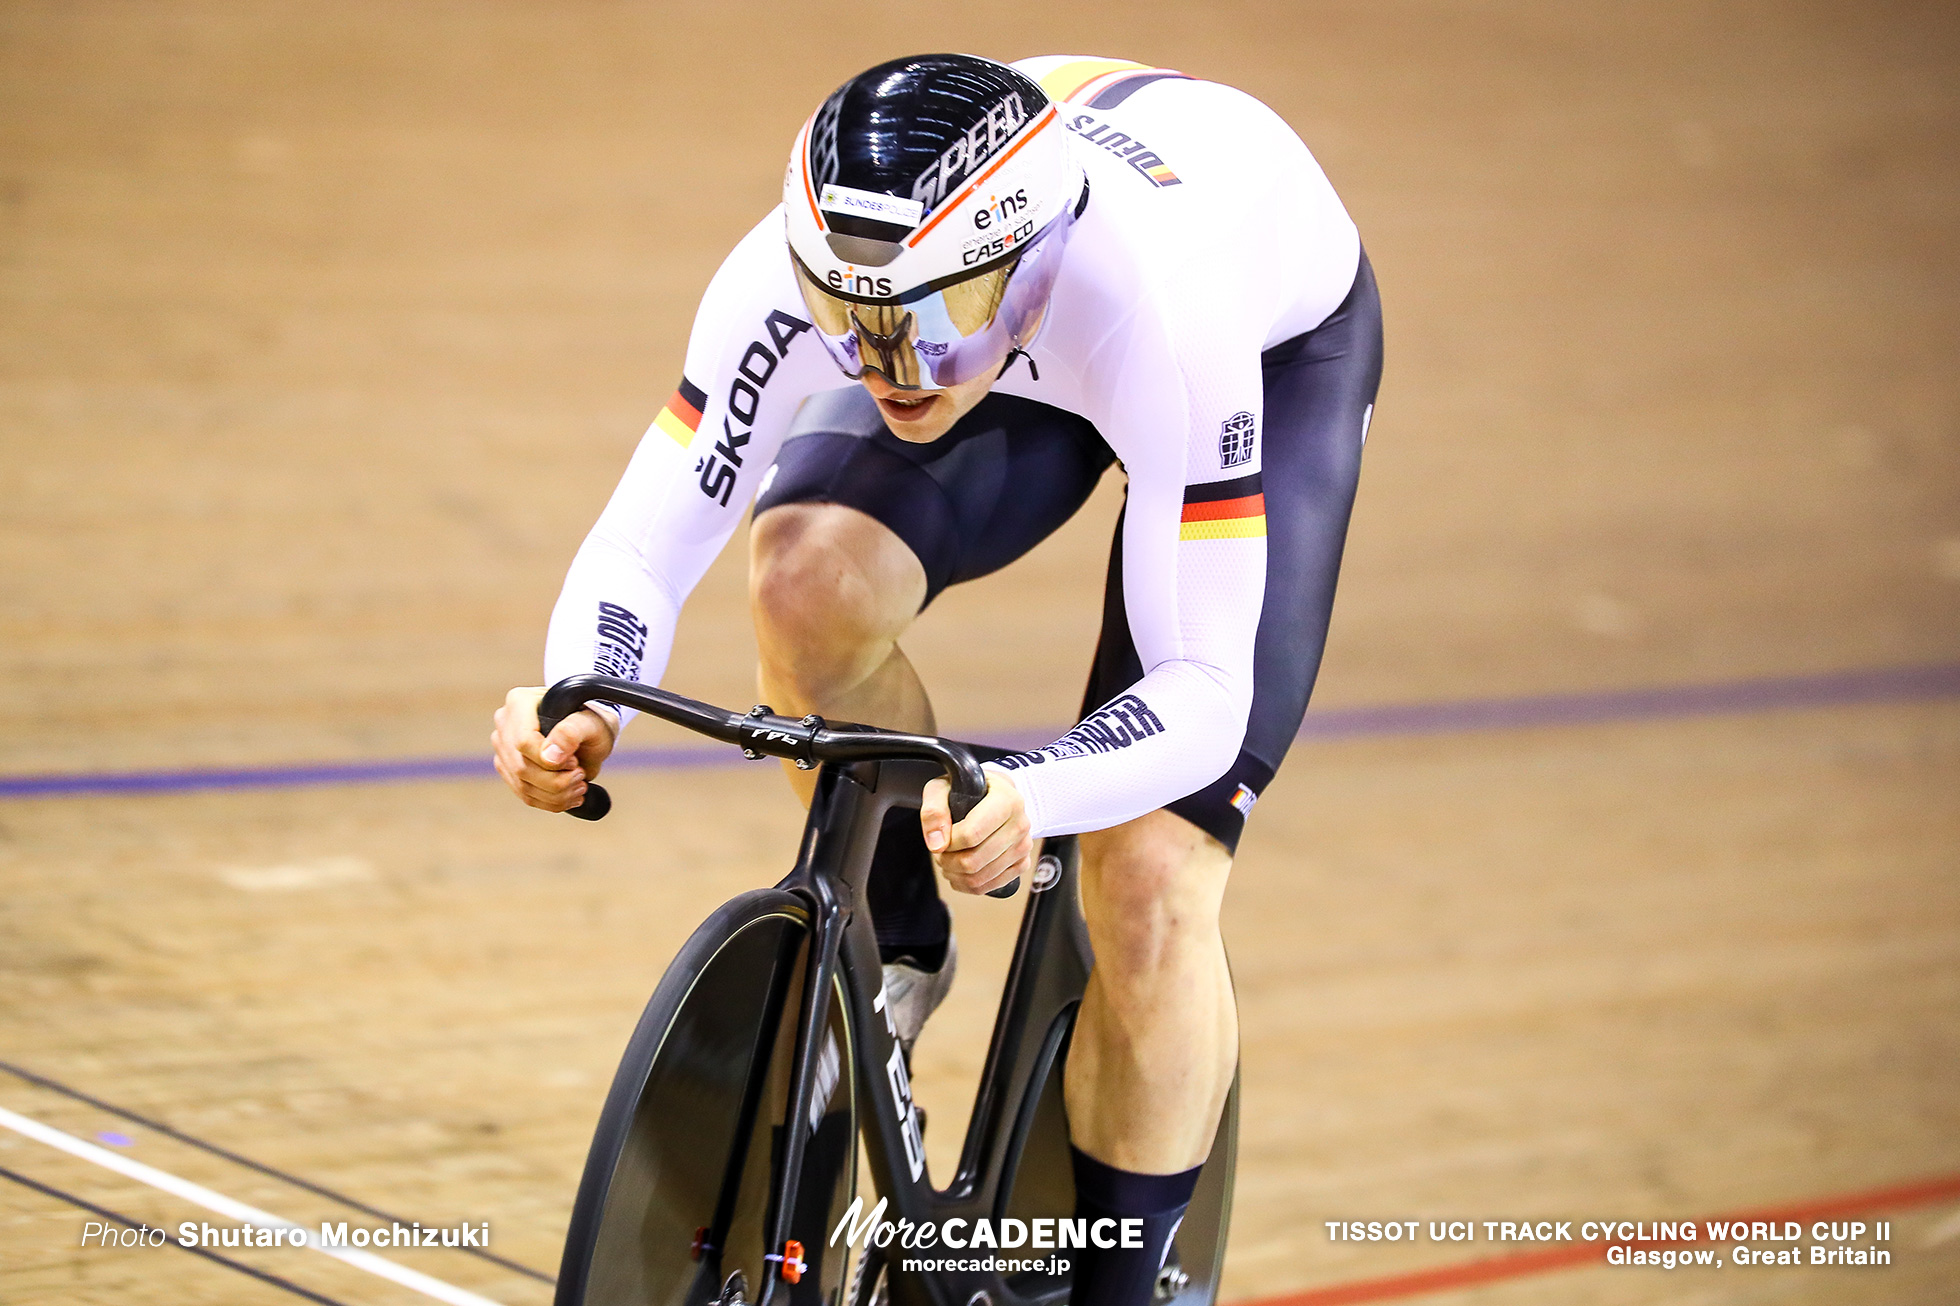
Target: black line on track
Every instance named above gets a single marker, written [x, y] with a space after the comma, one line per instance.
[209, 1255]
[319, 1190]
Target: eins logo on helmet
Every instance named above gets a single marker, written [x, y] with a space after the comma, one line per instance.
[852, 282]
[1000, 208]
[964, 156]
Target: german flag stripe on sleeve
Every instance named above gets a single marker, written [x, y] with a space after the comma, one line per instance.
[681, 418]
[1102, 83]
[1114, 92]
[1064, 81]
[1224, 510]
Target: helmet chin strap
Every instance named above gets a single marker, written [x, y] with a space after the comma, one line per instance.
[1027, 334]
[1014, 353]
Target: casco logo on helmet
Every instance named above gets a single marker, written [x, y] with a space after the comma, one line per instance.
[983, 247]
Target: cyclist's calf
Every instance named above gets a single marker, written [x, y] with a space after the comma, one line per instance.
[1151, 889]
[1155, 1043]
[1157, 1038]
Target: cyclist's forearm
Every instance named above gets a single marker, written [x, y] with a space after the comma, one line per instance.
[613, 616]
[1170, 734]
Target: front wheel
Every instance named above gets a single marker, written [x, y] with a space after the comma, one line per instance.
[674, 1202]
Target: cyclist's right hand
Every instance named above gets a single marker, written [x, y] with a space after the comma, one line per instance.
[549, 773]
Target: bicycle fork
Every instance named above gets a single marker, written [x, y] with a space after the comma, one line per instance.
[817, 876]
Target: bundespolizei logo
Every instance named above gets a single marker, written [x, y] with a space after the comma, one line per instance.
[1235, 440]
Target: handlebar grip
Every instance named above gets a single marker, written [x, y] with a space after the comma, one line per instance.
[597, 801]
[968, 782]
[963, 774]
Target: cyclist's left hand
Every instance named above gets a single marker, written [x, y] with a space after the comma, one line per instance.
[990, 847]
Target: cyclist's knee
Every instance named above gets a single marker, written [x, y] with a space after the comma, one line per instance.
[1151, 887]
[829, 588]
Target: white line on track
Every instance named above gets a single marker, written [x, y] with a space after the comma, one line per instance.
[237, 1210]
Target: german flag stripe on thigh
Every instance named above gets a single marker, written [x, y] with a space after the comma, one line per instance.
[1224, 510]
[681, 418]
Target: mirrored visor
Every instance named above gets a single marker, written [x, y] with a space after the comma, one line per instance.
[903, 341]
[946, 334]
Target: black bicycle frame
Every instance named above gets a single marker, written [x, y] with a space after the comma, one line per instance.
[1037, 1012]
[1051, 965]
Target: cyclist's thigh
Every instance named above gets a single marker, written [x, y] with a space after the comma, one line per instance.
[1002, 480]
[1319, 394]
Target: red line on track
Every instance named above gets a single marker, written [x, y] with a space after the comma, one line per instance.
[1492, 1269]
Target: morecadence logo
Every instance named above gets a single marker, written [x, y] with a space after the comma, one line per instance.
[863, 1230]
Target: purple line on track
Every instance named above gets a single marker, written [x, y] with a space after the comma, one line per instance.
[1833, 689]
[324, 773]
[1879, 685]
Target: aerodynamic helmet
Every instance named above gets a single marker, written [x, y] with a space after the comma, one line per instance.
[928, 201]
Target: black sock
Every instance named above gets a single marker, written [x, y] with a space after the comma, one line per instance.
[1125, 1276]
[903, 893]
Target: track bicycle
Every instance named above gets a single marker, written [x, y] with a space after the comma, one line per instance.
[725, 1167]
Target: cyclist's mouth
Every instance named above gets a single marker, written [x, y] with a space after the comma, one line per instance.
[906, 408]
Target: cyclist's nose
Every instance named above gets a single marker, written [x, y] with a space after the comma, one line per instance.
[880, 388]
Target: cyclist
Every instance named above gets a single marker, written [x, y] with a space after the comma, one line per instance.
[1030, 271]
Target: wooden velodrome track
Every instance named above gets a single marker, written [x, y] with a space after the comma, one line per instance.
[325, 330]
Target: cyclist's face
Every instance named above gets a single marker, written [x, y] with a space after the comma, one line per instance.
[922, 416]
